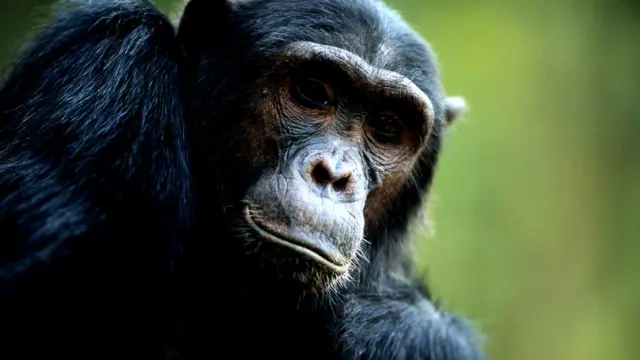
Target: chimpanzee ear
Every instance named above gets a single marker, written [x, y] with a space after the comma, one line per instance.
[204, 20]
[454, 106]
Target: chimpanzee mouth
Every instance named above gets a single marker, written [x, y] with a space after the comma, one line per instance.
[305, 248]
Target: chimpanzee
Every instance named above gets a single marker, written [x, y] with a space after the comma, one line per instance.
[239, 185]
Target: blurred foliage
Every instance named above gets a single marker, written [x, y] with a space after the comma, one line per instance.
[538, 186]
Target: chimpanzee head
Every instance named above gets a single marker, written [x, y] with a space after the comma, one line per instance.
[316, 121]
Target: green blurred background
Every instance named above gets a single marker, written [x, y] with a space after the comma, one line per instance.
[534, 201]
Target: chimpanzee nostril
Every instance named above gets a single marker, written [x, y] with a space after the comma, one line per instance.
[320, 174]
[342, 184]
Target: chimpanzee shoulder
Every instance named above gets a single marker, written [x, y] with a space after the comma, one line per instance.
[93, 182]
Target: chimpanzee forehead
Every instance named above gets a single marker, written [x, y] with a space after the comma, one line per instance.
[367, 28]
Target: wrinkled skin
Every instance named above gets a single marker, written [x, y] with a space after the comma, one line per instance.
[341, 129]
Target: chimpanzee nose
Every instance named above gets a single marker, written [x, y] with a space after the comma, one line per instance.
[333, 174]
[332, 168]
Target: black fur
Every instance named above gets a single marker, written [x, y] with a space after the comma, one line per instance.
[105, 252]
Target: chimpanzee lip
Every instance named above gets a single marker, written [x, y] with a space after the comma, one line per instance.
[304, 248]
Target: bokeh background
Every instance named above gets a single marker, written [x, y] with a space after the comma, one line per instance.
[534, 206]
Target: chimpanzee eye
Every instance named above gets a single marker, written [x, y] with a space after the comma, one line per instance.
[311, 93]
[385, 127]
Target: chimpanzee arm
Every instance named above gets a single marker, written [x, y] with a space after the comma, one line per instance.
[387, 314]
[399, 323]
[91, 135]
